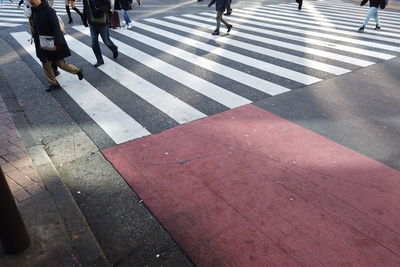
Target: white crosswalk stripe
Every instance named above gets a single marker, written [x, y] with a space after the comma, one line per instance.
[272, 49]
[114, 121]
[13, 16]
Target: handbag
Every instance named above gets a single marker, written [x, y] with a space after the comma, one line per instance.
[47, 43]
[102, 19]
[114, 19]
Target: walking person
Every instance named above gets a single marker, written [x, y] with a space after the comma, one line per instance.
[28, 14]
[124, 5]
[67, 4]
[373, 12]
[45, 26]
[97, 14]
[220, 7]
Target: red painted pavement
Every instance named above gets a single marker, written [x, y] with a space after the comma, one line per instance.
[248, 188]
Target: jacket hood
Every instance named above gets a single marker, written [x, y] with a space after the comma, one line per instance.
[42, 6]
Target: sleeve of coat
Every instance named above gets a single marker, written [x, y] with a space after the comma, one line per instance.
[85, 11]
[211, 3]
[363, 2]
[55, 24]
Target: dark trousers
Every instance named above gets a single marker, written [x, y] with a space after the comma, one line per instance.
[220, 19]
[228, 6]
[104, 31]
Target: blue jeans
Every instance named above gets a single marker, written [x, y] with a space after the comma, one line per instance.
[126, 16]
[104, 31]
[373, 12]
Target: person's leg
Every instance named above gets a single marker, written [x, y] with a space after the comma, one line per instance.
[94, 34]
[55, 69]
[371, 12]
[300, 4]
[64, 65]
[228, 8]
[76, 9]
[68, 11]
[105, 36]
[127, 19]
[50, 77]
[49, 72]
[228, 26]
[218, 18]
[377, 21]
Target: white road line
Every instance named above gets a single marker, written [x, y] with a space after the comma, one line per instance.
[167, 103]
[255, 63]
[11, 14]
[305, 49]
[328, 16]
[204, 87]
[254, 48]
[14, 19]
[316, 34]
[231, 73]
[252, 14]
[319, 22]
[114, 121]
[4, 24]
[356, 9]
[20, 13]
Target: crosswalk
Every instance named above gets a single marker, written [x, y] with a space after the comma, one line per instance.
[172, 71]
[13, 16]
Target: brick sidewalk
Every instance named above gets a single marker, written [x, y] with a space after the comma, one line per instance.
[22, 177]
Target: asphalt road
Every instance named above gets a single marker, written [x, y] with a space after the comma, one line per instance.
[171, 71]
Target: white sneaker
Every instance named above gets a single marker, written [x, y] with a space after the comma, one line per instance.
[130, 25]
[125, 27]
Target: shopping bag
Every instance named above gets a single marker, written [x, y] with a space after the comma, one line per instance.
[114, 19]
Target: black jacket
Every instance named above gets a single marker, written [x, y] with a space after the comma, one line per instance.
[123, 4]
[372, 3]
[45, 22]
[95, 8]
[220, 5]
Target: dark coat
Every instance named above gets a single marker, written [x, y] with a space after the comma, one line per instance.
[123, 4]
[92, 8]
[220, 5]
[45, 22]
[372, 3]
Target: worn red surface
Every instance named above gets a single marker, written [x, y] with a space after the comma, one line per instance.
[248, 188]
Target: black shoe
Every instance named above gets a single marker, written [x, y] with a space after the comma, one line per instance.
[229, 27]
[361, 29]
[80, 74]
[53, 87]
[228, 13]
[215, 32]
[115, 54]
[57, 74]
[377, 27]
[70, 21]
[98, 64]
